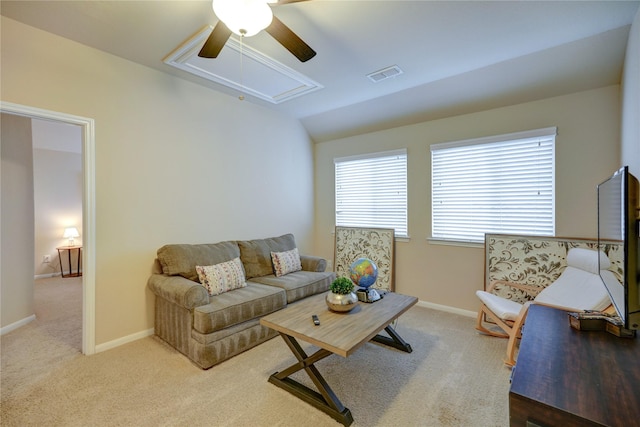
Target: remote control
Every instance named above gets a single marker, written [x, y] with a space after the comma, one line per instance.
[316, 321]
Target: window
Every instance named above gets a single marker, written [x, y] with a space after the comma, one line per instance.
[371, 191]
[501, 184]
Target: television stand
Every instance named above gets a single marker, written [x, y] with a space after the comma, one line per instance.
[567, 377]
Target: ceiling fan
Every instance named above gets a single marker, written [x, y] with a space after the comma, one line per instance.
[248, 17]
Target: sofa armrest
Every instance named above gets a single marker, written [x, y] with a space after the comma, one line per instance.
[313, 263]
[178, 290]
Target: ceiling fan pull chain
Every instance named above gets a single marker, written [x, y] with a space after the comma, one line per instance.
[241, 97]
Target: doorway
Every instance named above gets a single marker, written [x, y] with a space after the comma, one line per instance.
[88, 209]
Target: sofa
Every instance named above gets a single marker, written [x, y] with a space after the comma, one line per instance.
[209, 298]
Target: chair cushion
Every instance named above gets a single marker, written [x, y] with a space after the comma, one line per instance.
[577, 290]
[587, 260]
[237, 306]
[504, 308]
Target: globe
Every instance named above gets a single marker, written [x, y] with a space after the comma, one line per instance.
[363, 272]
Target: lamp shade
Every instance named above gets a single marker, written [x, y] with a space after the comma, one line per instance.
[244, 17]
[71, 233]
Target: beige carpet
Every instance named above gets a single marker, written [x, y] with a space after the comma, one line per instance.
[454, 377]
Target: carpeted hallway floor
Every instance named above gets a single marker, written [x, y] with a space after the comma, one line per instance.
[453, 377]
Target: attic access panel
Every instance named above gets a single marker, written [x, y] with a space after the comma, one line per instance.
[250, 72]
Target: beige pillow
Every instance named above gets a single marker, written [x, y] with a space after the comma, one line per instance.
[286, 262]
[223, 277]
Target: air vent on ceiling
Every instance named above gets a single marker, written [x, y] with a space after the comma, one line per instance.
[386, 73]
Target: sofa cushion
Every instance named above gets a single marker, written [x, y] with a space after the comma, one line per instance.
[286, 262]
[182, 259]
[299, 284]
[237, 306]
[223, 277]
[256, 254]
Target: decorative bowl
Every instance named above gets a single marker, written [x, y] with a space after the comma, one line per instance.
[341, 302]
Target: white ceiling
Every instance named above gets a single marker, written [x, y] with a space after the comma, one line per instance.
[457, 56]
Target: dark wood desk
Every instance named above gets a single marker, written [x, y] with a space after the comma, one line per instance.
[564, 377]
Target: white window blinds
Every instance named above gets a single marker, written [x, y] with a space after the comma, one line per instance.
[502, 184]
[371, 191]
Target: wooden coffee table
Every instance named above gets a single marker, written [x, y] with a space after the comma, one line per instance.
[338, 333]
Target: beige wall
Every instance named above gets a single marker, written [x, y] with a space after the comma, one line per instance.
[175, 162]
[587, 151]
[631, 101]
[16, 270]
[57, 184]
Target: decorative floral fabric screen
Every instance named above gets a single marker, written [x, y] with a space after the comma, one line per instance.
[534, 260]
[377, 244]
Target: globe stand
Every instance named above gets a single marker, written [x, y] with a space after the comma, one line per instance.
[368, 295]
[363, 273]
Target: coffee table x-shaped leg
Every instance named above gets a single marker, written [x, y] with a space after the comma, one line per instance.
[324, 399]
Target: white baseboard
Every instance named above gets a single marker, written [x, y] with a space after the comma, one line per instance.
[16, 325]
[447, 309]
[124, 340]
[48, 275]
[45, 276]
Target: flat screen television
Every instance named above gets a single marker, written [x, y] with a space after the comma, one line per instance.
[618, 224]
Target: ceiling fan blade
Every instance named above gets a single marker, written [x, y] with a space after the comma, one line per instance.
[281, 2]
[216, 41]
[290, 40]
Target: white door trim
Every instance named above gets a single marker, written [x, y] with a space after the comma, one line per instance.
[88, 212]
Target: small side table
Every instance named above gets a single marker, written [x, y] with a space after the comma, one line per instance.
[69, 249]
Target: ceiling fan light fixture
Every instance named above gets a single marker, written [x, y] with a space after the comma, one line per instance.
[244, 17]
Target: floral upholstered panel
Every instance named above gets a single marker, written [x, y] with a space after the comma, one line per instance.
[534, 261]
[377, 244]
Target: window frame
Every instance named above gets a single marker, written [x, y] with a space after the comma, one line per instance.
[400, 233]
[545, 135]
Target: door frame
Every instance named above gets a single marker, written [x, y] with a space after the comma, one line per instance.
[88, 211]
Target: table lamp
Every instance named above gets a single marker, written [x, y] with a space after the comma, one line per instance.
[71, 233]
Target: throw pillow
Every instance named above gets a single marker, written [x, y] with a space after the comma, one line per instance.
[286, 262]
[223, 277]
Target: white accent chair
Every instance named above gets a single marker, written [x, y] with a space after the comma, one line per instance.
[578, 288]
